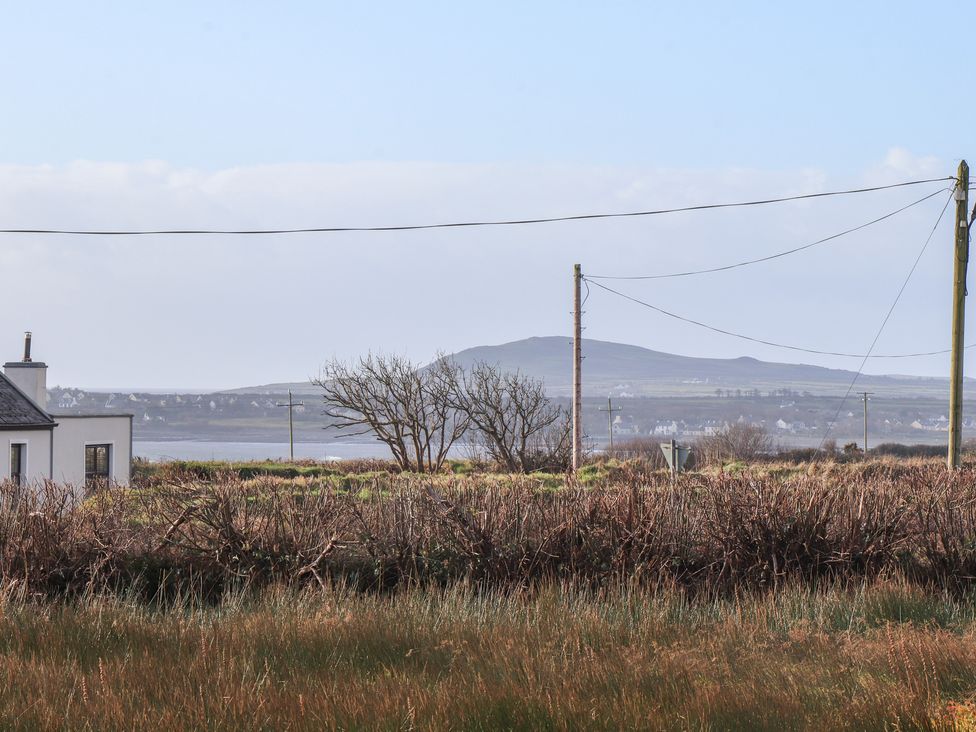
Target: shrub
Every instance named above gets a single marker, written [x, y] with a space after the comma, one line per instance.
[384, 531]
[734, 442]
[909, 451]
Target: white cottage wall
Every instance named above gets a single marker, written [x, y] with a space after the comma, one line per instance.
[37, 457]
[74, 432]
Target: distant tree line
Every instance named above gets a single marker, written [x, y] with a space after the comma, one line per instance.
[421, 413]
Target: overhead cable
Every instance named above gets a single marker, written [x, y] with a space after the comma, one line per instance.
[462, 224]
[774, 344]
[884, 322]
[747, 262]
[802, 349]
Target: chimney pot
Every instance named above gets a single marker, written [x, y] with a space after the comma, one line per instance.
[28, 375]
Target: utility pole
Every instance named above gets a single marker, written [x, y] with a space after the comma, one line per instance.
[864, 396]
[674, 459]
[577, 369]
[610, 409]
[291, 424]
[961, 263]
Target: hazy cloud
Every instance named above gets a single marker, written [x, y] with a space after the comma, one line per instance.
[225, 311]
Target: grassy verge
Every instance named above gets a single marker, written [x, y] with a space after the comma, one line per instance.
[880, 657]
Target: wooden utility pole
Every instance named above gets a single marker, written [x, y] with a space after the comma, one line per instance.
[291, 424]
[864, 396]
[577, 369]
[610, 409]
[961, 258]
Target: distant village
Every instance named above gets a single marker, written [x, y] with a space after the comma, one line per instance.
[783, 414]
[791, 417]
[158, 407]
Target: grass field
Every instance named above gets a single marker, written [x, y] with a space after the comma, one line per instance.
[883, 656]
[819, 596]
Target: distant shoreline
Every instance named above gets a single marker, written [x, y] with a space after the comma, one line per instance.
[163, 450]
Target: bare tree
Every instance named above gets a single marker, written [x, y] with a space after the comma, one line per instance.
[512, 420]
[552, 449]
[410, 409]
[735, 442]
[646, 449]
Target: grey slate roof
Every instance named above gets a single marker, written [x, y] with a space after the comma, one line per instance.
[17, 410]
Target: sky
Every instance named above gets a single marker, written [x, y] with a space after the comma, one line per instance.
[294, 114]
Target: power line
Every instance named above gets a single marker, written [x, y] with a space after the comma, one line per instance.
[884, 322]
[775, 344]
[771, 256]
[463, 224]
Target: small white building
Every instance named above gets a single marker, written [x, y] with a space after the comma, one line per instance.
[36, 444]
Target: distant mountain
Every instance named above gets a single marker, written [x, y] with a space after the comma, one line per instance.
[620, 368]
[626, 370]
[297, 388]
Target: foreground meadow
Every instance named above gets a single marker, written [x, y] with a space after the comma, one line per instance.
[883, 656]
[825, 595]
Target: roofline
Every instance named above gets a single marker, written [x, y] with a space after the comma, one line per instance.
[88, 415]
[41, 409]
[27, 427]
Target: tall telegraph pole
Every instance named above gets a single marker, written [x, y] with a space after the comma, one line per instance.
[958, 314]
[291, 424]
[577, 370]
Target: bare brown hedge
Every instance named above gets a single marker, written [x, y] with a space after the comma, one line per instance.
[708, 532]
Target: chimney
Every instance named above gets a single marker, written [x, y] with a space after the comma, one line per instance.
[29, 376]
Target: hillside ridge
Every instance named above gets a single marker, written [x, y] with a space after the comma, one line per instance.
[630, 370]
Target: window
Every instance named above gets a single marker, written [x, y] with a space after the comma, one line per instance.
[18, 468]
[97, 462]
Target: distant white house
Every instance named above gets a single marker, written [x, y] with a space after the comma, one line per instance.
[662, 429]
[78, 449]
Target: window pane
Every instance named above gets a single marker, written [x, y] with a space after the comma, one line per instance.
[97, 462]
[17, 463]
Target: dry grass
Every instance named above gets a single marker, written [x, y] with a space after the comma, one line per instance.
[796, 597]
[708, 532]
[882, 657]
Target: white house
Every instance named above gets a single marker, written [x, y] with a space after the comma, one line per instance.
[78, 449]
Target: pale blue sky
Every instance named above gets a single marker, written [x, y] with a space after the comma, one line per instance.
[756, 84]
[299, 114]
